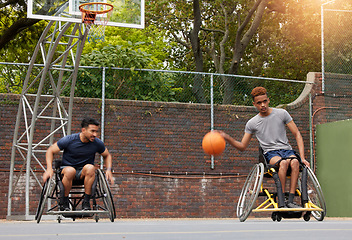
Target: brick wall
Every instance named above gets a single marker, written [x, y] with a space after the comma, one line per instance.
[163, 139]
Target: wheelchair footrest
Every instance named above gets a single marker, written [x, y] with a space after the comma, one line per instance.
[87, 213]
[291, 214]
[288, 210]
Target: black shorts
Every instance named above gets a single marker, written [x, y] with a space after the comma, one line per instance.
[78, 171]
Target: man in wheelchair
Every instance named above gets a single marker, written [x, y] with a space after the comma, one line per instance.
[269, 126]
[78, 161]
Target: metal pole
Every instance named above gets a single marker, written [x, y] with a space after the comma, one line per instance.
[74, 76]
[18, 119]
[102, 114]
[35, 114]
[322, 48]
[311, 130]
[30, 141]
[212, 113]
[12, 165]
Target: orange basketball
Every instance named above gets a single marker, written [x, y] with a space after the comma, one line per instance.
[213, 143]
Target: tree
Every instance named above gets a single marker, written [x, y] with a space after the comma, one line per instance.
[122, 84]
[16, 45]
[337, 35]
[218, 28]
[149, 40]
[223, 36]
[13, 21]
[233, 35]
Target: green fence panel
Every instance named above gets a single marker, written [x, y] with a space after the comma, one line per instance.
[334, 164]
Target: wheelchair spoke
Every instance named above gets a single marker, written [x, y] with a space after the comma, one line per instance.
[315, 195]
[250, 192]
[105, 195]
[47, 192]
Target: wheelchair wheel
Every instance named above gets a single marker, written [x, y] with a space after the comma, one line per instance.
[250, 191]
[46, 192]
[104, 191]
[315, 195]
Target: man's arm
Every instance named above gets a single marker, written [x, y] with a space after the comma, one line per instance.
[300, 144]
[108, 161]
[241, 146]
[49, 156]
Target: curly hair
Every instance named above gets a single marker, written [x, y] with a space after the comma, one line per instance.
[258, 91]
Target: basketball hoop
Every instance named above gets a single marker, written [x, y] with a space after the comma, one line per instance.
[95, 15]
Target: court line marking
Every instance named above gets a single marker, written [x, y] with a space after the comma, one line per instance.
[182, 232]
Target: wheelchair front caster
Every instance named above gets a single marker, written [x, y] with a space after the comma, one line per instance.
[306, 217]
[275, 216]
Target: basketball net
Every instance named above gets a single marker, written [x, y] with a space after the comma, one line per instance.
[95, 16]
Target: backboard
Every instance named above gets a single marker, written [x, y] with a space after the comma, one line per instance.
[126, 13]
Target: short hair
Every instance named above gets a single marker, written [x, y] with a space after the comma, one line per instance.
[258, 91]
[89, 121]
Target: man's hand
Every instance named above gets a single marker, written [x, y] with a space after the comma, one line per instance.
[48, 174]
[49, 156]
[305, 162]
[223, 134]
[109, 176]
[241, 146]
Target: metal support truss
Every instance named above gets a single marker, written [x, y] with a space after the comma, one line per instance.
[51, 73]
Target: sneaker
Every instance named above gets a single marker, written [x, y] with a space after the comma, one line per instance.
[85, 206]
[65, 206]
[292, 205]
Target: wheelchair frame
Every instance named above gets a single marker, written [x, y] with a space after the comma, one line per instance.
[53, 190]
[308, 189]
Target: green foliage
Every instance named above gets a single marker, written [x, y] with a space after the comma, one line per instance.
[116, 56]
[338, 50]
[150, 41]
[129, 12]
[287, 45]
[21, 47]
[134, 85]
[11, 79]
[285, 50]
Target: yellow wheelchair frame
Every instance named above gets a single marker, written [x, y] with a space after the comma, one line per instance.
[309, 190]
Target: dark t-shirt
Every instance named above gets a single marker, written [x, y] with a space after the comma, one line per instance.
[77, 153]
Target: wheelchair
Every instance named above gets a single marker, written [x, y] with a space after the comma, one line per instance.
[253, 191]
[53, 190]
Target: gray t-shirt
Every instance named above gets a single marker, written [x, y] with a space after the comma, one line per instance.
[270, 130]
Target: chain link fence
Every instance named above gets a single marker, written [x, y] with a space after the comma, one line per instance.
[161, 86]
[156, 85]
[211, 88]
[336, 58]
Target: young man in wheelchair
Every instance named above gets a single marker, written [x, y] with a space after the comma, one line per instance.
[269, 126]
[78, 161]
